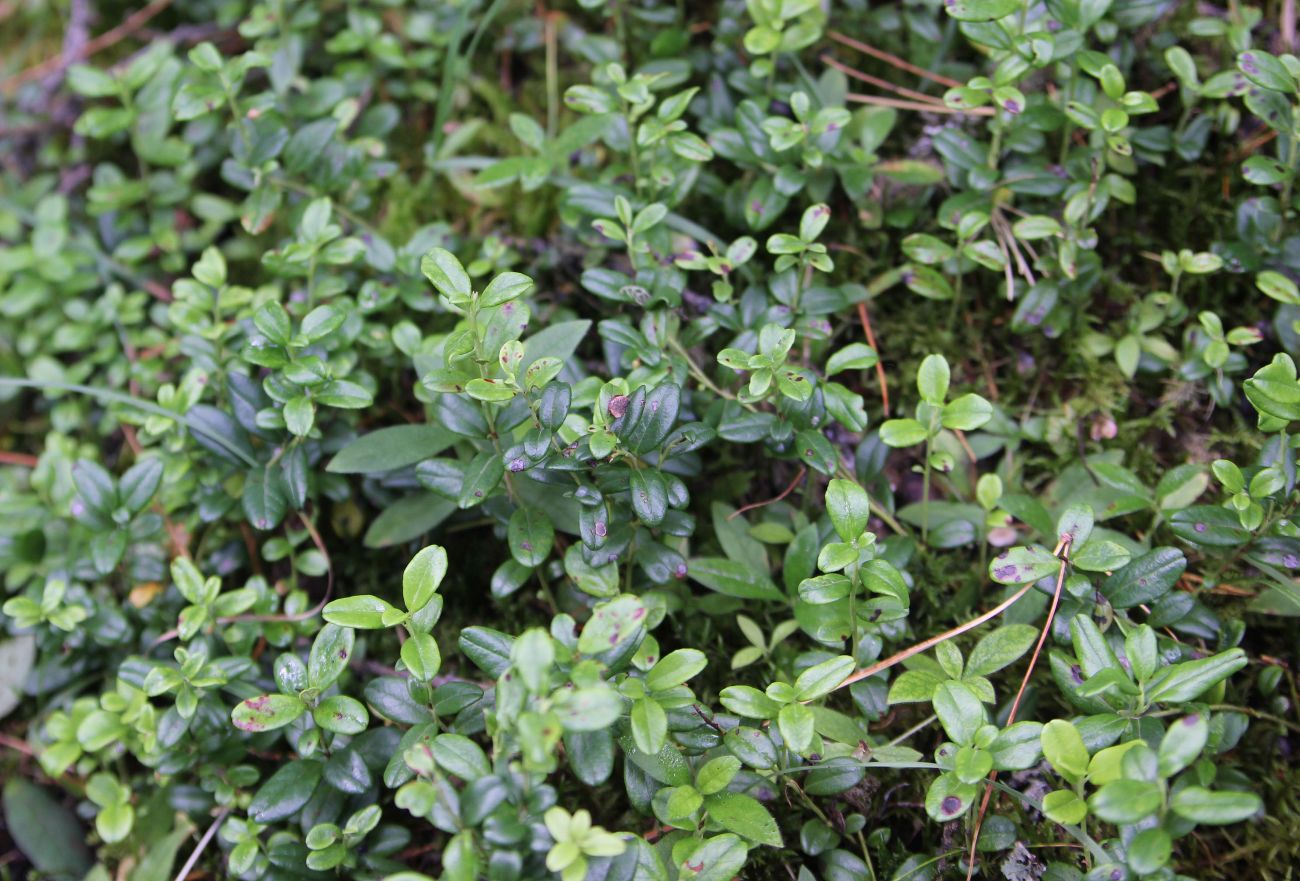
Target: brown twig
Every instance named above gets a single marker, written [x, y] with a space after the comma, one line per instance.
[23, 460]
[881, 101]
[906, 653]
[284, 618]
[1063, 552]
[58, 64]
[18, 746]
[202, 845]
[893, 60]
[785, 492]
[865, 320]
[878, 82]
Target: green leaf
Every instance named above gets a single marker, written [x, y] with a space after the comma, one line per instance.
[914, 686]
[442, 268]
[363, 612]
[747, 701]
[980, 10]
[421, 656]
[966, 413]
[1100, 555]
[1278, 287]
[733, 579]
[854, 356]
[531, 536]
[1023, 564]
[612, 624]
[559, 340]
[720, 858]
[1145, 579]
[330, 653]
[1000, 648]
[17, 656]
[715, 774]
[489, 649]
[391, 448]
[1209, 526]
[457, 754]
[1266, 71]
[1149, 851]
[1182, 744]
[848, 507]
[267, 712]
[493, 391]
[948, 798]
[422, 577]
[265, 497]
[1126, 801]
[345, 395]
[139, 484]
[675, 668]
[407, 519]
[797, 726]
[1064, 806]
[745, 816]
[505, 287]
[590, 754]
[959, 710]
[821, 679]
[1201, 805]
[1187, 681]
[649, 725]
[902, 433]
[1063, 747]
[481, 478]
[589, 709]
[342, 714]
[46, 832]
[932, 380]
[1017, 746]
[649, 494]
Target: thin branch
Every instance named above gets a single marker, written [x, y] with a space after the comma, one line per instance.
[202, 845]
[18, 746]
[282, 618]
[906, 653]
[785, 492]
[58, 64]
[1063, 552]
[22, 460]
[865, 320]
[879, 83]
[901, 104]
[894, 60]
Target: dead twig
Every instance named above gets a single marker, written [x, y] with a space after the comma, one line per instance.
[63, 61]
[202, 845]
[1063, 553]
[894, 60]
[785, 492]
[930, 643]
[901, 104]
[865, 320]
[883, 84]
[22, 460]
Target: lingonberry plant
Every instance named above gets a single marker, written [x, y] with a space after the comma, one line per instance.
[629, 440]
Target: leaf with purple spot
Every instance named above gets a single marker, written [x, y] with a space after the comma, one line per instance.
[1023, 564]
[267, 712]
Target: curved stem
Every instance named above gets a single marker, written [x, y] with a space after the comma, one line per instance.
[130, 401]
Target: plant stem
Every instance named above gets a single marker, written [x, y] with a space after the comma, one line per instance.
[925, 483]
[703, 378]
